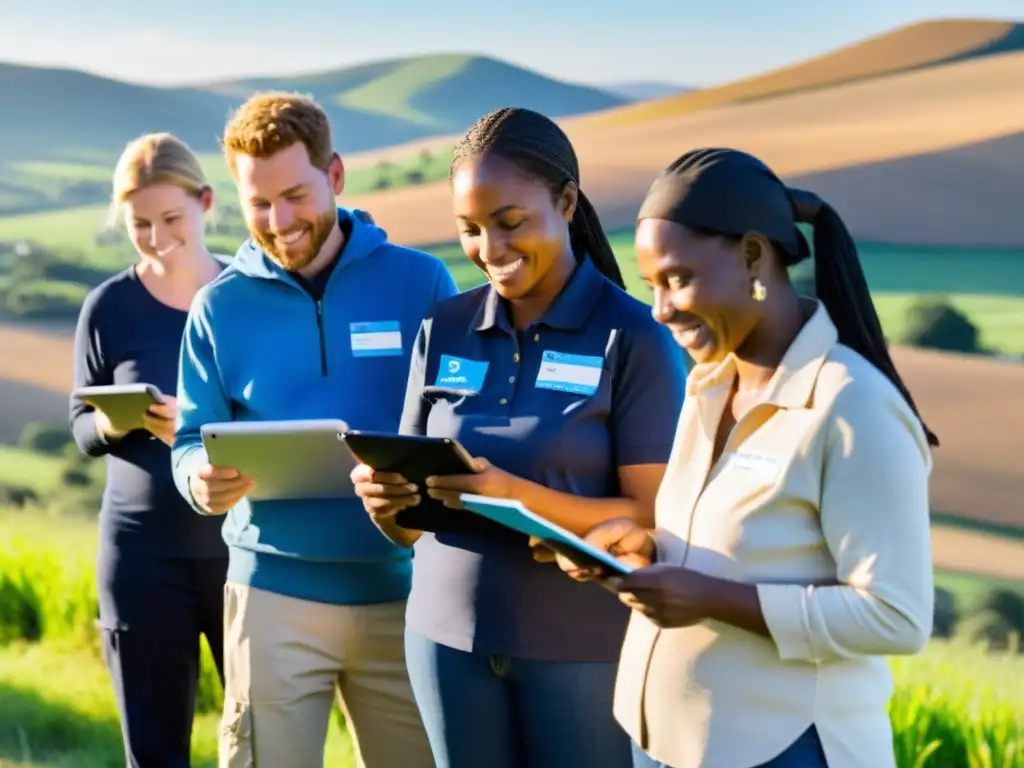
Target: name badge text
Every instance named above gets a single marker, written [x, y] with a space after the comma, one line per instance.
[578, 374]
[378, 339]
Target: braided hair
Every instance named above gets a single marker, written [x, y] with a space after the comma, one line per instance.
[537, 146]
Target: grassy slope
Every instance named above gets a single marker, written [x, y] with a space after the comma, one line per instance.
[74, 724]
[914, 46]
[957, 696]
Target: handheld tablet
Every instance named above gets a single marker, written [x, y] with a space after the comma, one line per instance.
[295, 459]
[514, 515]
[416, 458]
[413, 456]
[124, 404]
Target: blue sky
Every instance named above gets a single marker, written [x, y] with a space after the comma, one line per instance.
[699, 42]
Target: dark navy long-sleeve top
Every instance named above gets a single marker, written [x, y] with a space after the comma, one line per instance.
[126, 336]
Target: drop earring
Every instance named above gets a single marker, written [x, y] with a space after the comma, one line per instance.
[757, 290]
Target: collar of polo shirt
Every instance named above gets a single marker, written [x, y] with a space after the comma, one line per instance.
[569, 312]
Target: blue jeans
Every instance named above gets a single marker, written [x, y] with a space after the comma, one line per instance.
[805, 752]
[500, 712]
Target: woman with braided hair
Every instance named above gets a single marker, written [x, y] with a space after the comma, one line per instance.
[792, 550]
[567, 391]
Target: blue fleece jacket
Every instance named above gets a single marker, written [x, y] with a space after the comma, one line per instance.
[258, 345]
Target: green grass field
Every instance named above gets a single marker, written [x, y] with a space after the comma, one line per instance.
[954, 705]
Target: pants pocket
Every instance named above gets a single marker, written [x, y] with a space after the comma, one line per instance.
[234, 745]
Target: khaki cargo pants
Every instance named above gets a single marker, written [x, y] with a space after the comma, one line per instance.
[284, 661]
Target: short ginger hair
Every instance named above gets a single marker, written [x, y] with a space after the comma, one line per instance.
[270, 122]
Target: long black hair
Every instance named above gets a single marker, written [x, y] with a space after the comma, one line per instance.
[731, 193]
[537, 146]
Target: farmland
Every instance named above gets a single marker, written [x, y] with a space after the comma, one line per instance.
[915, 136]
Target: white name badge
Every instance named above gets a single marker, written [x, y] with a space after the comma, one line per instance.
[380, 339]
[755, 465]
[579, 374]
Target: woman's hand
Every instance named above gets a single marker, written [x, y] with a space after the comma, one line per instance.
[669, 595]
[622, 538]
[384, 494]
[488, 480]
[159, 420]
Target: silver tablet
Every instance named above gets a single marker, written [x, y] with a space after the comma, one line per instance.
[295, 459]
[124, 404]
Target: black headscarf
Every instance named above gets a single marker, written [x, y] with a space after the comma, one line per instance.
[732, 193]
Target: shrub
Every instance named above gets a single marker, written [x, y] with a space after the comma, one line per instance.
[45, 437]
[936, 324]
[45, 299]
[946, 616]
[999, 621]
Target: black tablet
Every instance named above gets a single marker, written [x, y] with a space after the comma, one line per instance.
[416, 458]
[413, 456]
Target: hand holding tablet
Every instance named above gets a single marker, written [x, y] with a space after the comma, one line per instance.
[412, 459]
[124, 406]
[291, 459]
[512, 514]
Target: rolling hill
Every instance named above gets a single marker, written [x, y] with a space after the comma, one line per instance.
[61, 129]
[67, 115]
[908, 48]
[928, 155]
[642, 90]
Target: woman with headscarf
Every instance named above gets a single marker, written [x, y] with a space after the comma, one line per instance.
[791, 548]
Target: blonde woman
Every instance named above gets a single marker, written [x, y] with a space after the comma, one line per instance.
[160, 567]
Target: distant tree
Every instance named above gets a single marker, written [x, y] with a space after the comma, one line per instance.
[933, 322]
[385, 169]
[45, 437]
[946, 616]
[999, 621]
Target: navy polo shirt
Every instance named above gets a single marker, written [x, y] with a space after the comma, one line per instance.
[594, 384]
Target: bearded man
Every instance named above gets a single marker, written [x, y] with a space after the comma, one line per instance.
[314, 318]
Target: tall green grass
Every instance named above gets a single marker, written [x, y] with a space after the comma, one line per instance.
[56, 702]
[955, 705]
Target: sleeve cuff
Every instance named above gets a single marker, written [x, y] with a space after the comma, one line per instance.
[784, 607]
[194, 458]
[668, 548]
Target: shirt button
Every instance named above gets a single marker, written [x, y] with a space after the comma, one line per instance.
[503, 401]
[511, 379]
[515, 358]
[536, 337]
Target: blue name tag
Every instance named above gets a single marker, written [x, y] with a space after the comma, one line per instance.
[383, 339]
[579, 374]
[460, 373]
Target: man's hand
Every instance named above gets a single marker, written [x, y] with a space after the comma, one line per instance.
[218, 489]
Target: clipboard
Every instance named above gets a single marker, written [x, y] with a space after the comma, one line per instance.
[514, 515]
